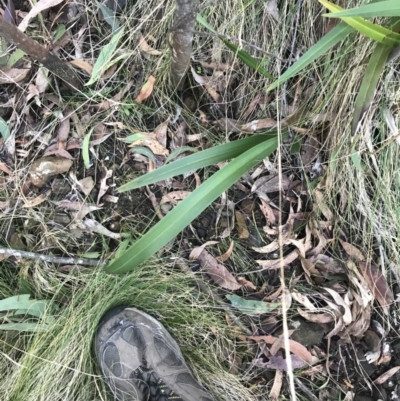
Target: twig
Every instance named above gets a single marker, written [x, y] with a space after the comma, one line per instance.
[305, 389]
[52, 259]
[62, 69]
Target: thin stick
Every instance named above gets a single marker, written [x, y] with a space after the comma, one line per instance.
[52, 259]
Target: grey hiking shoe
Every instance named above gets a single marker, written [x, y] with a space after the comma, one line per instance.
[141, 361]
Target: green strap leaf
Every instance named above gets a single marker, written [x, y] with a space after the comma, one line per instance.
[373, 31]
[387, 8]
[333, 37]
[371, 77]
[198, 160]
[187, 210]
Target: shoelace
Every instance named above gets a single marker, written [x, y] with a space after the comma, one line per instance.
[152, 387]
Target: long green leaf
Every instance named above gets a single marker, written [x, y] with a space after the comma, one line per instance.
[371, 77]
[387, 8]
[186, 211]
[373, 31]
[32, 327]
[241, 54]
[22, 304]
[333, 37]
[198, 160]
[105, 57]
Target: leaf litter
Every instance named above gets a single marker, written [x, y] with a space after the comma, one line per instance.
[335, 287]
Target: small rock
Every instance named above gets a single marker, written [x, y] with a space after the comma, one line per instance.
[46, 167]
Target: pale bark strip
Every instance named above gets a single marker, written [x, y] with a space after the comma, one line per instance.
[185, 19]
[49, 258]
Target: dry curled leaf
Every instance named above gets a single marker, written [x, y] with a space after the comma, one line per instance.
[37, 8]
[241, 225]
[35, 201]
[352, 251]
[152, 144]
[218, 272]
[227, 254]
[377, 284]
[83, 65]
[258, 125]
[295, 347]
[174, 197]
[386, 376]
[146, 48]
[13, 75]
[146, 90]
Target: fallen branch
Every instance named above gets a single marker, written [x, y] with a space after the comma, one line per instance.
[52, 259]
[59, 68]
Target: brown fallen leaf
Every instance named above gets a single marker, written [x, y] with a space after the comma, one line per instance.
[279, 362]
[295, 347]
[277, 263]
[46, 167]
[241, 225]
[63, 132]
[174, 197]
[377, 285]
[227, 254]
[268, 212]
[217, 272]
[4, 168]
[276, 387]
[246, 283]
[86, 185]
[146, 90]
[83, 65]
[257, 125]
[352, 251]
[35, 201]
[326, 264]
[146, 48]
[151, 143]
[316, 317]
[13, 75]
[387, 375]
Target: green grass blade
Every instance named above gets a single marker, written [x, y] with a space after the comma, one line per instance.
[370, 80]
[333, 37]
[198, 160]
[387, 8]
[373, 31]
[186, 211]
[241, 54]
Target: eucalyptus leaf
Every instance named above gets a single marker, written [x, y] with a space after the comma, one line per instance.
[4, 130]
[252, 307]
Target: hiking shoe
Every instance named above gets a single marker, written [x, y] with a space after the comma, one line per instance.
[141, 361]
